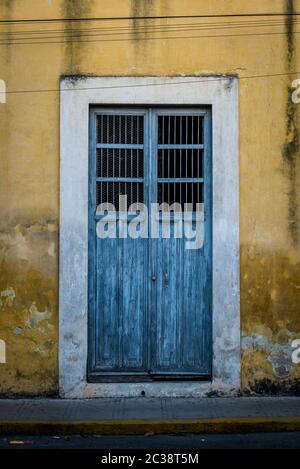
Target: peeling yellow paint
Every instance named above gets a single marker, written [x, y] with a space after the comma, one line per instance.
[28, 315]
[9, 294]
[35, 316]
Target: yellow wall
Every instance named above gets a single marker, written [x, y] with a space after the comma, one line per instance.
[269, 163]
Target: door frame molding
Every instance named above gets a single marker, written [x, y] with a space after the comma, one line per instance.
[76, 96]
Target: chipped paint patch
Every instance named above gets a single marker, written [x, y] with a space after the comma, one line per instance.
[296, 353]
[38, 350]
[34, 245]
[36, 316]
[264, 359]
[2, 92]
[281, 357]
[52, 249]
[9, 294]
[2, 351]
[255, 342]
[270, 299]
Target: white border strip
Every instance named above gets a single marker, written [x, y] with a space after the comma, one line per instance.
[222, 94]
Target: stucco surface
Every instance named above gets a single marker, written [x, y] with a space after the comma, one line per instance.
[262, 54]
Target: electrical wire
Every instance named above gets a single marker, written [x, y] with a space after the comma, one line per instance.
[92, 32]
[61, 34]
[133, 38]
[231, 24]
[78, 35]
[206, 25]
[135, 18]
[138, 85]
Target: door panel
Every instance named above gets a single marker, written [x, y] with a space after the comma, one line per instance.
[119, 266]
[121, 304]
[181, 338]
[180, 341]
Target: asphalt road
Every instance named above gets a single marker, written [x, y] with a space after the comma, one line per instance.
[196, 442]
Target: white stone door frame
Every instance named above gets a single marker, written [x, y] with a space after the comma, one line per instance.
[221, 93]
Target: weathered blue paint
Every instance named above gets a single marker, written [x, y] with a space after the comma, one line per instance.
[150, 299]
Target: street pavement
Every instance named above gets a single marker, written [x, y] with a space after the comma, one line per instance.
[280, 440]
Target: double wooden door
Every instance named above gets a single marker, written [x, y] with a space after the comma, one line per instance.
[150, 296]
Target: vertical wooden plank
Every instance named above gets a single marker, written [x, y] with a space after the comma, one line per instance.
[132, 268]
[152, 242]
[107, 307]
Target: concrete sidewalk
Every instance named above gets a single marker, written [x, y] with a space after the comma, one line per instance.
[141, 415]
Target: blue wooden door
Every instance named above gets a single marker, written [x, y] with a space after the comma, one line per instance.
[149, 295]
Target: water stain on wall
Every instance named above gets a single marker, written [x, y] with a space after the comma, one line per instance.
[143, 28]
[74, 48]
[270, 280]
[8, 14]
[291, 147]
[140, 10]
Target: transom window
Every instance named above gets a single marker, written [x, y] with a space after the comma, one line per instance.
[150, 157]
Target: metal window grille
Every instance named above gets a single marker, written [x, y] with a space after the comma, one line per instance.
[120, 158]
[180, 159]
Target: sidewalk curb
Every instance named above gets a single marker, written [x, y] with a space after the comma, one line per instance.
[140, 427]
